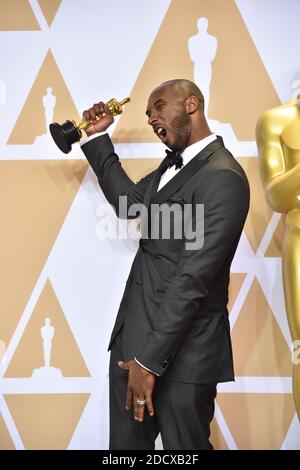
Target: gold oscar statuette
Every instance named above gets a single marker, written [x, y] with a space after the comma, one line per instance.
[66, 134]
[278, 141]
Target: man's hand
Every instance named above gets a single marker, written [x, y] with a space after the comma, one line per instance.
[140, 387]
[101, 118]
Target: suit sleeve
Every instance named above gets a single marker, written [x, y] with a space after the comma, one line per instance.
[226, 202]
[112, 178]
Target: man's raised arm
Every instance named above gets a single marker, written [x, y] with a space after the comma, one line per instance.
[100, 153]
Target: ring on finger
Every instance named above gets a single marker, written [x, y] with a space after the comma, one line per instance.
[141, 402]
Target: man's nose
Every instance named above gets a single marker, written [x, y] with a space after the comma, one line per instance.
[152, 118]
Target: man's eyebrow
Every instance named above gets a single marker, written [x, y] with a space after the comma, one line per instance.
[160, 100]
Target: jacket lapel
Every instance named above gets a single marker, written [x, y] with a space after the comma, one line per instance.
[153, 185]
[158, 197]
[183, 175]
[150, 192]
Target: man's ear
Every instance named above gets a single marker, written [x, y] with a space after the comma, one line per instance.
[191, 104]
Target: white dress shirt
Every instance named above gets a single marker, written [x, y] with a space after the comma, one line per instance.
[187, 155]
[91, 137]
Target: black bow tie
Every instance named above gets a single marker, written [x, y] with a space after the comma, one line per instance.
[174, 158]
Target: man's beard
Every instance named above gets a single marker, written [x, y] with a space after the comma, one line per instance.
[180, 128]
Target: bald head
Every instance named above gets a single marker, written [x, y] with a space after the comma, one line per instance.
[175, 111]
[185, 88]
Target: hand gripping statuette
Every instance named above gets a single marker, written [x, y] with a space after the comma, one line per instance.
[66, 134]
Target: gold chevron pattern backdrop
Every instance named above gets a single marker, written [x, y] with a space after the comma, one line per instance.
[57, 58]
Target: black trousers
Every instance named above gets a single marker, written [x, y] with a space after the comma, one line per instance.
[183, 412]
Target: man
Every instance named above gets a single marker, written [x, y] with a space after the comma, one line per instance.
[170, 345]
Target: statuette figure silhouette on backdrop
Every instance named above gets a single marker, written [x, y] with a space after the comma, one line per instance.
[47, 371]
[47, 333]
[202, 49]
[49, 101]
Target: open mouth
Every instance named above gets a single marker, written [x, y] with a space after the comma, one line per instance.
[161, 133]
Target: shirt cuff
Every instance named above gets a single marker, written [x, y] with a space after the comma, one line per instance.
[149, 370]
[91, 137]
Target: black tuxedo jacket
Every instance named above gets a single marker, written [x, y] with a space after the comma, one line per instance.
[173, 311]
